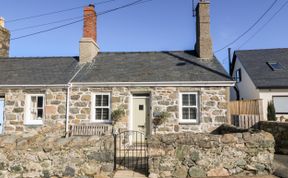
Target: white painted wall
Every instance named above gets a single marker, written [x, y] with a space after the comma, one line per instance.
[246, 87]
[267, 95]
[249, 91]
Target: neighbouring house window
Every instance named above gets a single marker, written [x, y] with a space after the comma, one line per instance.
[188, 107]
[281, 104]
[101, 107]
[34, 109]
[238, 76]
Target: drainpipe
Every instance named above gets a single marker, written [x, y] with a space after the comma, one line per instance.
[67, 109]
[70, 85]
[229, 62]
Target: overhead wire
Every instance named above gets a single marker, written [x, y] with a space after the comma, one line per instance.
[80, 20]
[264, 25]
[54, 12]
[249, 29]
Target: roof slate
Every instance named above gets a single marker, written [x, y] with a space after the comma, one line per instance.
[112, 67]
[151, 67]
[37, 71]
[255, 63]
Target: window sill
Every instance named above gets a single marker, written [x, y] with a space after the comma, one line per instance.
[101, 122]
[189, 123]
[33, 123]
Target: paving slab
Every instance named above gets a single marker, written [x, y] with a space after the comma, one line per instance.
[281, 165]
[128, 174]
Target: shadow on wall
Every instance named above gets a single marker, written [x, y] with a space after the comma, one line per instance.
[226, 129]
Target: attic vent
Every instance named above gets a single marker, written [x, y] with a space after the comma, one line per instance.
[275, 66]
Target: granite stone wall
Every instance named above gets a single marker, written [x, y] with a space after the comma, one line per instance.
[212, 106]
[280, 132]
[185, 155]
[212, 109]
[46, 154]
[54, 110]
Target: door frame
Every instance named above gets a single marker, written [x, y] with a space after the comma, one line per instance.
[3, 98]
[130, 106]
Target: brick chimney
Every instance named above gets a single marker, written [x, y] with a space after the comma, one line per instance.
[203, 37]
[4, 39]
[88, 43]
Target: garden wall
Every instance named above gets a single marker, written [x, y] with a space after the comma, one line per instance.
[47, 155]
[280, 132]
[195, 155]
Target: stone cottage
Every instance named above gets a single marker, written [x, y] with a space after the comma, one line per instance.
[190, 85]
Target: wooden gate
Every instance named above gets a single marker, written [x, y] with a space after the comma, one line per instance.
[131, 151]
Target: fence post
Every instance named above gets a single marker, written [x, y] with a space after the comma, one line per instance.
[228, 106]
[260, 105]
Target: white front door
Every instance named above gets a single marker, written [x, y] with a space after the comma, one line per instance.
[1, 115]
[141, 114]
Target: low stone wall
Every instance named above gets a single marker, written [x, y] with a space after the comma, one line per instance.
[44, 155]
[280, 132]
[195, 155]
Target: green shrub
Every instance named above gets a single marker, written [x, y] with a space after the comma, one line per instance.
[160, 118]
[271, 114]
[117, 114]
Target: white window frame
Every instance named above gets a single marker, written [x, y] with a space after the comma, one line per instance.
[93, 107]
[27, 111]
[181, 120]
[279, 96]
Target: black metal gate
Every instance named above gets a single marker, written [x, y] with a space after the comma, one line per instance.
[131, 151]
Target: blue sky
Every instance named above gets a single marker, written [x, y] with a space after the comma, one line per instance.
[152, 26]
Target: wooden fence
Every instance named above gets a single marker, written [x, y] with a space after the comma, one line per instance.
[89, 130]
[246, 113]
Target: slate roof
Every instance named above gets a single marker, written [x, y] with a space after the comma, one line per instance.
[255, 63]
[112, 67]
[37, 71]
[151, 67]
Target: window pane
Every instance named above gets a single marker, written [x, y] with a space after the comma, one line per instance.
[98, 114]
[98, 99]
[33, 102]
[185, 113]
[192, 100]
[281, 104]
[40, 102]
[105, 100]
[105, 114]
[33, 114]
[193, 113]
[185, 100]
[39, 114]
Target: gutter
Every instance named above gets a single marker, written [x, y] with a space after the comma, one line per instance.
[56, 85]
[184, 83]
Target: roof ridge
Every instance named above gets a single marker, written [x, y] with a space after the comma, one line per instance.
[37, 57]
[261, 49]
[125, 52]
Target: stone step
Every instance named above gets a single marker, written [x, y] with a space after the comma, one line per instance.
[128, 174]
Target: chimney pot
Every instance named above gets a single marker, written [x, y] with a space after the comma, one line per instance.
[90, 18]
[2, 22]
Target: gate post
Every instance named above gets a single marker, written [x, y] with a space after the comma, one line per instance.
[115, 147]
